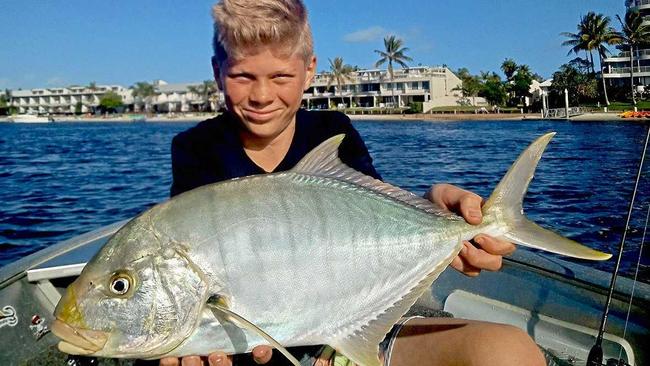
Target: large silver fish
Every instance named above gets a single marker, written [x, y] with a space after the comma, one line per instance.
[321, 254]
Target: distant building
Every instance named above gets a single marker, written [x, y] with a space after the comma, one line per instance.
[433, 86]
[63, 100]
[616, 68]
[178, 98]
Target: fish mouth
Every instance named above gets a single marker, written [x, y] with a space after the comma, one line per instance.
[77, 341]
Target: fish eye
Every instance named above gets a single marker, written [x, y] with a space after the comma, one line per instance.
[120, 284]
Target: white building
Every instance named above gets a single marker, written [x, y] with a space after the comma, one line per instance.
[433, 86]
[63, 100]
[177, 98]
[616, 68]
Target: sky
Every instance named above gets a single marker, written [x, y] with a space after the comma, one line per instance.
[74, 42]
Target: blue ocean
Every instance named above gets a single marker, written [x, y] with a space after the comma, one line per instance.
[59, 180]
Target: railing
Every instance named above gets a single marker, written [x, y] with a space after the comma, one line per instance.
[627, 53]
[642, 2]
[626, 70]
[556, 113]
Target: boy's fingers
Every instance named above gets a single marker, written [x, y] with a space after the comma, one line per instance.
[219, 359]
[191, 361]
[462, 265]
[480, 259]
[169, 361]
[493, 245]
[262, 354]
[470, 208]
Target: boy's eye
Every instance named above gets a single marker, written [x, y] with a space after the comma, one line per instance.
[241, 76]
[282, 78]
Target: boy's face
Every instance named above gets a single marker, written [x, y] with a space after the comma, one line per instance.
[264, 89]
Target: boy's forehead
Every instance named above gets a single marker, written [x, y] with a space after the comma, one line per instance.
[277, 56]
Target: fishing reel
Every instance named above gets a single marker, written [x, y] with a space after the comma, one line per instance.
[595, 358]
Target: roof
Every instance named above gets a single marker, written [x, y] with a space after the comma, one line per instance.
[546, 83]
[175, 88]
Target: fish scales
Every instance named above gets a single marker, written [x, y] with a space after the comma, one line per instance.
[278, 243]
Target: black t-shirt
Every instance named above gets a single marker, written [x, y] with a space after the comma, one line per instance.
[212, 151]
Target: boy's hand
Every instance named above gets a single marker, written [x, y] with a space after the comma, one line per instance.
[261, 355]
[487, 252]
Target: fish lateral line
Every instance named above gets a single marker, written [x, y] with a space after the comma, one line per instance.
[217, 303]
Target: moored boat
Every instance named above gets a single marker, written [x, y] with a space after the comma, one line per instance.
[29, 118]
[557, 302]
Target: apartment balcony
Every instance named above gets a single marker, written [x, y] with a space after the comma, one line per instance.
[642, 4]
[625, 56]
[619, 72]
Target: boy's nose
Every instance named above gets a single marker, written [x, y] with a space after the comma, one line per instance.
[261, 94]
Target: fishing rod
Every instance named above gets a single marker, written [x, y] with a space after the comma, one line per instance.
[595, 357]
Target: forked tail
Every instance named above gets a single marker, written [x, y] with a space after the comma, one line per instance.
[506, 203]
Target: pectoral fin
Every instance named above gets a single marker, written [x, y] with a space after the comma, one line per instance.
[218, 304]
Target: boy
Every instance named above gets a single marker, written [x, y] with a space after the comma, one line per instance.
[263, 62]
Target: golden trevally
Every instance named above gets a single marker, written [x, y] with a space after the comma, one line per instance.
[321, 254]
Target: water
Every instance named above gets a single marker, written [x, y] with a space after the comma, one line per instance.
[60, 180]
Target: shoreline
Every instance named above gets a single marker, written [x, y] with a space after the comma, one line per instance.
[436, 117]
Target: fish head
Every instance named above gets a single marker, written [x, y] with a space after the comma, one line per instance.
[139, 297]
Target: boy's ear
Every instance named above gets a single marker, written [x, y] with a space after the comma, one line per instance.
[311, 71]
[216, 69]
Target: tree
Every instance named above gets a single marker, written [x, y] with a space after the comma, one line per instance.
[509, 67]
[205, 90]
[393, 52]
[494, 90]
[580, 41]
[4, 102]
[594, 33]
[471, 85]
[142, 93]
[339, 73]
[581, 86]
[92, 86]
[521, 82]
[634, 32]
[110, 101]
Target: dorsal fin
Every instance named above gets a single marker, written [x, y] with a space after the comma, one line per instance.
[324, 161]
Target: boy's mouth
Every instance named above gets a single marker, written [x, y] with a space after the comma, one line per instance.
[259, 116]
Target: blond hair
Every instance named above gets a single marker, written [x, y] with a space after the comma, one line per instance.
[242, 24]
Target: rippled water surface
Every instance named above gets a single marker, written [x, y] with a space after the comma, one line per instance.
[63, 179]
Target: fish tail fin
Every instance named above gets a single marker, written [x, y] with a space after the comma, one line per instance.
[506, 202]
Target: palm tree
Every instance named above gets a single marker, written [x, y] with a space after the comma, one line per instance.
[509, 67]
[142, 92]
[205, 90]
[339, 73]
[393, 53]
[594, 33]
[633, 34]
[580, 41]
